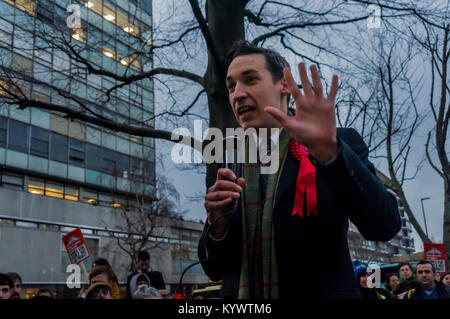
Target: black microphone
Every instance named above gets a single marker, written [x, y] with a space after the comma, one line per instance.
[232, 154]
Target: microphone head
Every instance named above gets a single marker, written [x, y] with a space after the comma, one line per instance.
[231, 153]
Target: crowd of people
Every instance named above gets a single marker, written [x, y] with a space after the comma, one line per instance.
[423, 284]
[103, 283]
[144, 283]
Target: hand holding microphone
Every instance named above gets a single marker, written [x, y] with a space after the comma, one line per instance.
[221, 198]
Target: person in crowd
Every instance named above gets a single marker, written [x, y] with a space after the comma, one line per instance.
[264, 226]
[139, 279]
[428, 287]
[146, 292]
[391, 283]
[143, 266]
[408, 280]
[164, 293]
[115, 293]
[445, 279]
[367, 291]
[99, 290]
[98, 274]
[44, 293]
[6, 285]
[17, 282]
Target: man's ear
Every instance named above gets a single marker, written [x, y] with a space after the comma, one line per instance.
[284, 87]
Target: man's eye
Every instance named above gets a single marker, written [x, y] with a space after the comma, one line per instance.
[230, 86]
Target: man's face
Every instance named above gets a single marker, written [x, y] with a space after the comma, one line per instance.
[406, 272]
[100, 278]
[251, 89]
[15, 292]
[101, 293]
[5, 292]
[144, 265]
[425, 275]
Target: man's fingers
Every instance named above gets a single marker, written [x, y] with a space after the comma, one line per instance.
[278, 115]
[304, 77]
[293, 87]
[223, 173]
[226, 185]
[316, 81]
[213, 205]
[334, 88]
[241, 181]
[221, 195]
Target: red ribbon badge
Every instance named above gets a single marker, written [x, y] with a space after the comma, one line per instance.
[306, 181]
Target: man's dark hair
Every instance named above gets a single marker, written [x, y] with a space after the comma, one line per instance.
[44, 290]
[143, 255]
[14, 276]
[426, 262]
[101, 270]
[102, 262]
[275, 63]
[400, 265]
[5, 280]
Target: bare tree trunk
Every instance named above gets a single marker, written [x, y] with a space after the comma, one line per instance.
[226, 25]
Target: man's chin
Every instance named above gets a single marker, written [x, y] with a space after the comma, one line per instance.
[15, 296]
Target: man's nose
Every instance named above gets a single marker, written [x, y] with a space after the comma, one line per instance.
[239, 92]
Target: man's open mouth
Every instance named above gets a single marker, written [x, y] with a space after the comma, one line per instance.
[245, 109]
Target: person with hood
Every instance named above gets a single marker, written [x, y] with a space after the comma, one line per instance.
[143, 266]
[138, 280]
[368, 292]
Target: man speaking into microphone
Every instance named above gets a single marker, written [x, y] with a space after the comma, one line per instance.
[285, 234]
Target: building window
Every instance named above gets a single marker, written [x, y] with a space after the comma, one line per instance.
[54, 189]
[90, 196]
[22, 65]
[123, 165]
[36, 186]
[6, 30]
[18, 136]
[12, 179]
[76, 152]
[59, 20]
[27, 6]
[45, 9]
[39, 142]
[93, 157]
[3, 129]
[109, 161]
[58, 147]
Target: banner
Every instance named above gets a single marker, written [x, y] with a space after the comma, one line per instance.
[436, 254]
[76, 246]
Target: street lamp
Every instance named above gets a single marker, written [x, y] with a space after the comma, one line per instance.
[423, 212]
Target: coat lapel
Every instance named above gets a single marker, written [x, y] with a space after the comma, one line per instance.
[288, 177]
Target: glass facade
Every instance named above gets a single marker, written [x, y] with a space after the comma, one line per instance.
[111, 35]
